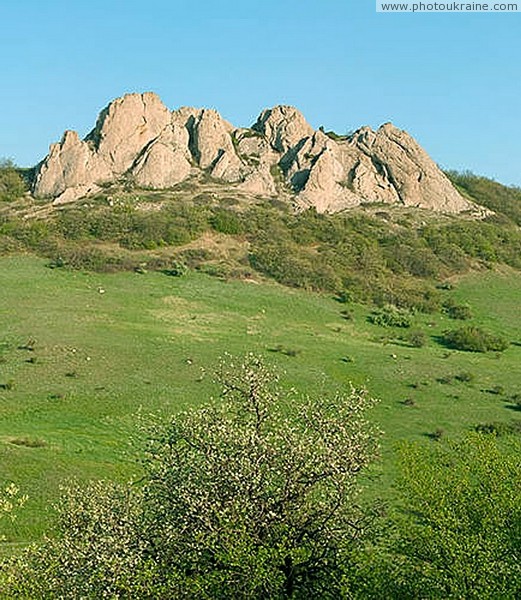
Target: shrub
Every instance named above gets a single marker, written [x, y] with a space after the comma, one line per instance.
[344, 297]
[499, 428]
[279, 348]
[226, 221]
[457, 531]
[93, 258]
[437, 434]
[416, 338]
[12, 185]
[390, 316]
[474, 339]
[457, 311]
[497, 390]
[465, 377]
[516, 399]
[176, 269]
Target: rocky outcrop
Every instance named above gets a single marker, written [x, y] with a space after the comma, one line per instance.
[283, 126]
[404, 165]
[70, 165]
[137, 138]
[126, 127]
[166, 160]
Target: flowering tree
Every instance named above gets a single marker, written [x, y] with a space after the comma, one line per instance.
[10, 501]
[251, 496]
[255, 494]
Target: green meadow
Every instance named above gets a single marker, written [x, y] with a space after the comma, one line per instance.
[83, 355]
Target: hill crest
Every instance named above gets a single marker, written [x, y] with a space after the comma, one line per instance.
[137, 137]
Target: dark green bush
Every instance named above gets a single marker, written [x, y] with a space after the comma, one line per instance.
[294, 266]
[416, 338]
[226, 221]
[499, 428]
[474, 339]
[453, 310]
[12, 184]
[390, 316]
[93, 258]
[465, 377]
[176, 269]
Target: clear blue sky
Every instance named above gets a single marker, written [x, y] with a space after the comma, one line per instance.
[452, 80]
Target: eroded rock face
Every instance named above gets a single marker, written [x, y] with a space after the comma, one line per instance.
[136, 136]
[126, 127]
[283, 127]
[166, 160]
[416, 179]
[70, 165]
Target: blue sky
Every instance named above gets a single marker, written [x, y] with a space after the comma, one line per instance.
[451, 80]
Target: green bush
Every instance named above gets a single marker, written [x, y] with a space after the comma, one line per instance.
[453, 310]
[474, 339]
[390, 316]
[12, 184]
[465, 377]
[176, 269]
[416, 338]
[88, 257]
[457, 530]
[499, 428]
[226, 221]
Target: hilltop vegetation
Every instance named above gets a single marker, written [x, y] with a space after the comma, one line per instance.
[505, 201]
[12, 184]
[382, 254]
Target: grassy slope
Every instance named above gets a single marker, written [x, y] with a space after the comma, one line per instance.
[151, 341]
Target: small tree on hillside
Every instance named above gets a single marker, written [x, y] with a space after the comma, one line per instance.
[12, 185]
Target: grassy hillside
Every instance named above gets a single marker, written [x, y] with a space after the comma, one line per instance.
[82, 353]
[376, 253]
[504, 200]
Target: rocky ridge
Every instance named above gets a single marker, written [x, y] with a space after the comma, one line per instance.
[138, 139]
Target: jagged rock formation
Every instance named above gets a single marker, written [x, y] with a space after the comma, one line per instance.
[137, 138]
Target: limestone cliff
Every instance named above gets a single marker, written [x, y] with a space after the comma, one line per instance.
[137, 138]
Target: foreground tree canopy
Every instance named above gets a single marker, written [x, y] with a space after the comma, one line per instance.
[254, 496]
[456, 532]
[251, 496]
